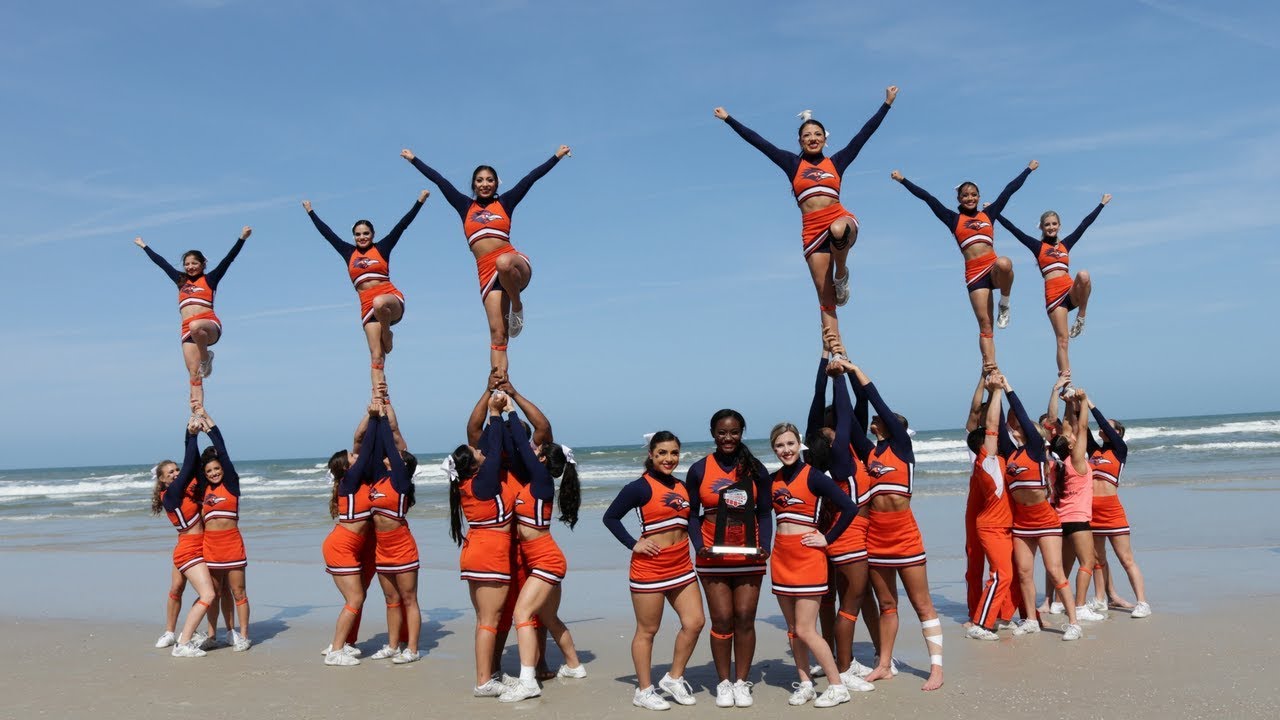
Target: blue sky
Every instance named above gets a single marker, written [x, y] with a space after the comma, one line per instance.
[668, 280]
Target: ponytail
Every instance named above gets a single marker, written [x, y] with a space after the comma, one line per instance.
[338, 466]
[560, 465]
[466, 466]
[157, 492]
[411, 467]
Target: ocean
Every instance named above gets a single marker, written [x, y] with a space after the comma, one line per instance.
[110, 505]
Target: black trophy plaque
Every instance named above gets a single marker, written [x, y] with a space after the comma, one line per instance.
[736, 531]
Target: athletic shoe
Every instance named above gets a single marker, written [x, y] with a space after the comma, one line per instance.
[515, 323]
[1097, 605]
[186, 650]
[842, 289]
[1056, 608]
[1077, 327]
[239, 643]
[724, 694]
[1086, 614]
[1009, 624]
[576, 673]
[522, 691]
[857, 668]
[166, 640]
[1002, 319]
[491, 688]
[742, 694]
[507, 680]
[1028, 627]
[1141, 610]
[649, 699]
[855, 683]
[406, 656]
[1072, 632]
[817, 671]
[386, 652]
[802, 694]
[340, 659]
[834, 695]
[206, 367]
[678, 688]
[977, 632]
[347, 648]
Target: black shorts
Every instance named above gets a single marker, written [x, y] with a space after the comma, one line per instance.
[1070, 528]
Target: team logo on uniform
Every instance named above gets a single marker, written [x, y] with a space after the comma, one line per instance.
[365, 262]
[879, 469]
[721, 484]
[1099, 460]
[191, 288]
[816, 174]
[782, 497]
[484, 217]
[375, 493]
[976, 224]
[674, 501]
[1054, 252]
[734, 498]
[213, 499]
[1015, 470]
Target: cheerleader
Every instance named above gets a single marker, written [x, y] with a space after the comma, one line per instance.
[661, 569]
[224, 551]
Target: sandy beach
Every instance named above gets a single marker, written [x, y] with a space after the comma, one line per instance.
[79, 640]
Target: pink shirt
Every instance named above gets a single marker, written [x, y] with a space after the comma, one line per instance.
[1076, 502]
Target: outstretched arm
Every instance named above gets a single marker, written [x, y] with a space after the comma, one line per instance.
[388, 241]
[539, 478]
[1034, 440]
[1080, 451]
[400, 479]
[1030, 243]
[846, 155]
[216, 276]
[1013, 187]
[818, 407]
[456, 199]
[945, 214]
[173, 494]
[512, 197]
[841, 456]
[488, 482]
[788, 161]
[1069, 241]
[160, 262]
[475, 422]
[541, 425]
[992, 421]
[343, 247]
[359, 470]
[975, 405]
[1117, 443]
[230, 478]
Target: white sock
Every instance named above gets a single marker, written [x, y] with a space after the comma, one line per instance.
[1004, 300]
[527, 675]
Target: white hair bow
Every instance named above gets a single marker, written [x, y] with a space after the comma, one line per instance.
[648, 437]
[911, 433]
[568, 455]
[450, 468]
[805, 115]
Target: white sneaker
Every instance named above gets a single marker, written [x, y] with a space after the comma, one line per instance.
[649, 699]
[742, 694]
[515, 323]
[386, 652]
[576, 673]
[678, 688]
[1072, 632]
[834, 695]
[1009, 624]
[340, 659]
[1086, 614]
[816, 671]
[1002, 318]
[406, 656]
[1077, 327]
[1096, 605]
[1056, 608]
[239, 643]
[977, 632]
[857, 668]
[347, 648]
[206, 367]
[802, 694]
[522, 691]
[1028, 627]
[199, 639]
[491, 688]
[186, 650]
[1141, 610]
[166, 640]
[855, 683]
[507, 680]
[724, 694]
[842, 289]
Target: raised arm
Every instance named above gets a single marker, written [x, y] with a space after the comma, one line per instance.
[359, 470]
[975, 405]
[1070, 241]
[1013, 187]
[342, 247]
[841, 456]
[1034, 440]
[400, 479]
[1030, 243]
[1054, 392]
[1117, 443]
[173, 494]
[512, 197]
[539, 478]
[846, 155]
[945, 214]
[818, 407]
[788, 161]
[456, 199]
[230, 478]
[633, 495]
[1080, 450]
[216, 276]
[541, 425]
[488, 483]
[992, 421]
[400, 444]
[388, 241]
[160, 262]
[475, 422]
